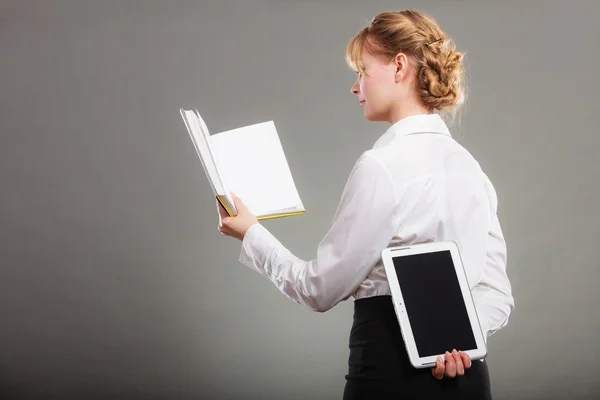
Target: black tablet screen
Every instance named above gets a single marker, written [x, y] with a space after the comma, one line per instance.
[434, 303]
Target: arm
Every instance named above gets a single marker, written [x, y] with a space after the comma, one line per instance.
[363, 225]
[493, 294]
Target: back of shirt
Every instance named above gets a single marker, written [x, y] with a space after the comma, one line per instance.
[442, 194]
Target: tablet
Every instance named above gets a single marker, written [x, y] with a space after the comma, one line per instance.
[433, 302]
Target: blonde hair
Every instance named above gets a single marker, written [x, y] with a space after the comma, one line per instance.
[439, 67]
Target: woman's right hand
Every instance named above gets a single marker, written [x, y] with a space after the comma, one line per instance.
[455, 365]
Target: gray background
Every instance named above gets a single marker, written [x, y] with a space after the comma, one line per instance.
[114, 281]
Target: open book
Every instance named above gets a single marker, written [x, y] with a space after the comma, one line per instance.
[249, 162]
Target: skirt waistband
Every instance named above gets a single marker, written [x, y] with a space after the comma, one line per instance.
[375, 307]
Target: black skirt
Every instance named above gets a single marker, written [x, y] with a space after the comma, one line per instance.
[379, 368]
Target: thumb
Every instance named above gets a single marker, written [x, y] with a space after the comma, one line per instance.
[439, 370]
[238, 202]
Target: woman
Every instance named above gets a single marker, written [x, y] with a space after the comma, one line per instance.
[416, 184]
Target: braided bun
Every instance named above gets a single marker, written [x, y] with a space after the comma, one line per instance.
[440, 77]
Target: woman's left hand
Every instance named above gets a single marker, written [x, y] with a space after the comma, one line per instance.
[455, 365]
[237, 226]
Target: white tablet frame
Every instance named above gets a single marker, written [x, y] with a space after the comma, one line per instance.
[387, 256]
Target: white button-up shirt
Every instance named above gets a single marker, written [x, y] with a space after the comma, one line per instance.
[417, 184]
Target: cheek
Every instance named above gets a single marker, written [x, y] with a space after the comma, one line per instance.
[363, 86]
[367, 88]
[375, 88]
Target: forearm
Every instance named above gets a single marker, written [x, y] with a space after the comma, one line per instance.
[265, 254]
[493, 308]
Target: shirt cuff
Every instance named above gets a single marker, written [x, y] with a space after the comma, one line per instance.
[257, 247]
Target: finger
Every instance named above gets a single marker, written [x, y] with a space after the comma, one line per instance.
[438, 370]
[466, 359]
[224, 231]
[224, 217]
[450, 366]
[460, 369]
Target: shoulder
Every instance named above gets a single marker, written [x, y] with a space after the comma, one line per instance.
[371, 175]
[471, 166]
[370, 165]
[407, 158]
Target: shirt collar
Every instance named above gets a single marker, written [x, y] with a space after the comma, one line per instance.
[421, 123]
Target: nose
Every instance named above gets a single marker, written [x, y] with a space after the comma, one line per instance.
[355, 87]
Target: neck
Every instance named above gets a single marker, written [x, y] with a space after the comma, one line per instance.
[407, 105]
[404, 113]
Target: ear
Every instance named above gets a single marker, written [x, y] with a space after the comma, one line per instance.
[400, 63]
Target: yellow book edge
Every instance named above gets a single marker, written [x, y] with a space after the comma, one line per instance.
[230, 212]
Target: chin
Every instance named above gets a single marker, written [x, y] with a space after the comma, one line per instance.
[374, 117]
